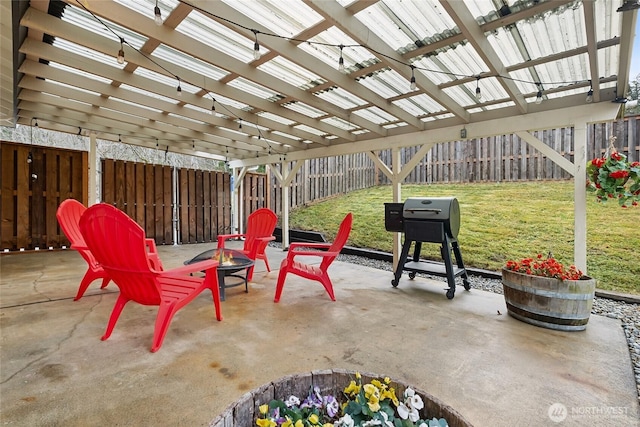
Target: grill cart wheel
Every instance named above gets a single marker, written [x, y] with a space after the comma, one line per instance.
[412, 275]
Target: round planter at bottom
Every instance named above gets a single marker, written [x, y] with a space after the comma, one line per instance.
[564, 305]
[243, 412]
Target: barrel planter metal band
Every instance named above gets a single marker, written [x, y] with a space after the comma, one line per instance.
[563, 305]
[243, 412]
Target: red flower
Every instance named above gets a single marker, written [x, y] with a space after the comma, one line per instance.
[549, 267]
[619, 174]
[635, 164]
[598, 162]
[616, 156]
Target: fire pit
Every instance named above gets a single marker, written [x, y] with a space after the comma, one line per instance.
[230, 263]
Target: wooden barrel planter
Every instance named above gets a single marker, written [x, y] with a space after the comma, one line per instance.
[244, 411]
[563, 305]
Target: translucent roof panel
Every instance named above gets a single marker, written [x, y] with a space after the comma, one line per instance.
[305, 109]
[276, 118]
[111, 30]
[134, 89]
[289, 72]
[285, 18]
[339, 123]
[325, 46]
[252, 88]
[87, 53]
[215, 35]
[309, 129]
[375, 115]
[341, 98]
[79, 72]
[188, 62]
[564, 71]
[387, 83]
[418, 105]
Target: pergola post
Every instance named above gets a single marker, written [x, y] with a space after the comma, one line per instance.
[580, 195]
[396, 182]
[92, 171]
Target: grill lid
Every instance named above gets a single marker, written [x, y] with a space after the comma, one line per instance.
[441, 209]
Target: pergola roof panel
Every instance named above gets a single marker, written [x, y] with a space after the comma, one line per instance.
[294, 93]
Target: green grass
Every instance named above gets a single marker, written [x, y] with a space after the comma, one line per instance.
[500, 221]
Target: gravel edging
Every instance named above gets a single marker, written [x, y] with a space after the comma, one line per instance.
[627, 312]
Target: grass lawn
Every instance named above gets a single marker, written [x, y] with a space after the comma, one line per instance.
[500, 221]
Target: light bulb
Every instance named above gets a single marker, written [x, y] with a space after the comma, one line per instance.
[478, 93]
[341, 64]
[539, 97]
[256, 51]
[158, 15]
[589, 96]
[121, 56]
[413, 83]
[179, 90]
[30, 157]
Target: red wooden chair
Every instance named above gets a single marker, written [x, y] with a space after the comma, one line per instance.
[118, 244]
[68, 215]
[314, 272]
[260, 227]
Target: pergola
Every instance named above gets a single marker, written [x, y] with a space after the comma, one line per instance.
[276, 82]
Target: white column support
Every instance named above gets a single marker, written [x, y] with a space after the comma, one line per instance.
[92, 192]
[235, 214]
[285, 177]
[580, 196]
[174, 213]
[396, 185]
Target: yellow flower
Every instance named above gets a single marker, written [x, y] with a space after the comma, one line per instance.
[374, 403]
[327, 425]
[264, 409]
[387, 380]
[265, 422]
[391, 395]
[287, 423]
[313, 419]
[378, 384]
[299, 423]
[352, 388]
[358, 376]
[371, 390]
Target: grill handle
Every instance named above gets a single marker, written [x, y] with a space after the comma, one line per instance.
[413, 210]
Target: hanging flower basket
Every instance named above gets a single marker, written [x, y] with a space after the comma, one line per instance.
[612, 177]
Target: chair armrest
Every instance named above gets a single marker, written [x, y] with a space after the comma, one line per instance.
[205, 265]
[223, 237]
[151, 244]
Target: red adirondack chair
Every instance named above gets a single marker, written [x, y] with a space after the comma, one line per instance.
[314, 272]
[118, 244]
[260, 226]
[68, 215]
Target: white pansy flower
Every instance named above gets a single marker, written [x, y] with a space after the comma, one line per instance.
[416, 402]
[292, 401]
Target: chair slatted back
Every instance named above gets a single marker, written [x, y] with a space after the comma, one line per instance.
[118, 243]
[340, 240]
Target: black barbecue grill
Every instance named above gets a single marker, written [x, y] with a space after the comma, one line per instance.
[428, 220]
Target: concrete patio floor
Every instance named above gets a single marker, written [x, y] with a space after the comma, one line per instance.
[467, 352]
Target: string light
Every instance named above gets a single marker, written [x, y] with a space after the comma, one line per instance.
[589, 99]
[478, 92]
[539, 94]
[413, 79]
[158, 15]
[121, 52]
[179, 88]
[256, 46]
[213, 105]
[240, 125]
[341, 60]
[79, 131]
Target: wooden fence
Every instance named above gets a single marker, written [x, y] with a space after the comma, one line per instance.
[35, 180]
[146, 192]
